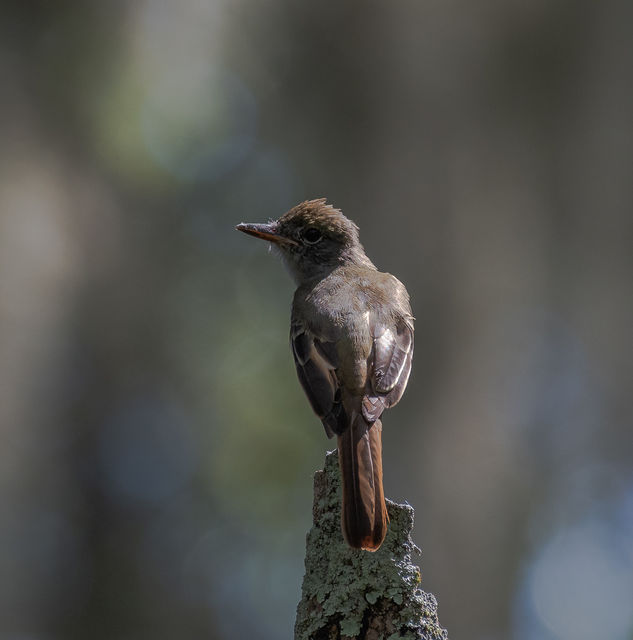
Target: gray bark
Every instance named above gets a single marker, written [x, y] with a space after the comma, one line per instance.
[348, 593]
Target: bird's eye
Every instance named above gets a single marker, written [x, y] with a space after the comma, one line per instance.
[312, 235]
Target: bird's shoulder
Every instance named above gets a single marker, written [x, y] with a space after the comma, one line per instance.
[348, 291]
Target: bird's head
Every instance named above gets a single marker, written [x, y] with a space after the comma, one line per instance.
[313, 239]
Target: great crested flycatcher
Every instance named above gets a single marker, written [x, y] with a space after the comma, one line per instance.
[352, 339]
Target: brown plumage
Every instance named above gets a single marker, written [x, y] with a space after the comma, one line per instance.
[352, 340]
[364, 512]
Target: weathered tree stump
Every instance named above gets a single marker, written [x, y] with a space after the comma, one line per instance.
[349, 593]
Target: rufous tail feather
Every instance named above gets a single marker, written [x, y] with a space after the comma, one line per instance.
[363, 512]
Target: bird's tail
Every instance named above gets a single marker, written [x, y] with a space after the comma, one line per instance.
[364, 512]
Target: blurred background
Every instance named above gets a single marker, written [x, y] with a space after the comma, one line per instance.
[157, 452]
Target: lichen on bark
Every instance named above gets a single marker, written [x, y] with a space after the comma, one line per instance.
[349, 593]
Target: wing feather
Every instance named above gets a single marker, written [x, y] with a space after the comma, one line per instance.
[316, 363]
[391, 365]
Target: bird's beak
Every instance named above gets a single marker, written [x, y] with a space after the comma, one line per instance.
[265, 232]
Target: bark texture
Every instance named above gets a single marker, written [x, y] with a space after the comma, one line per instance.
[349, 593]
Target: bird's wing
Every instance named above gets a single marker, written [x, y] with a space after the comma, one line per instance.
[390, 366]
[316, 361]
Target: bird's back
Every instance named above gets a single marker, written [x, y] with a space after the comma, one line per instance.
[345, 309]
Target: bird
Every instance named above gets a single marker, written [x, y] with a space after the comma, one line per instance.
[351, 335]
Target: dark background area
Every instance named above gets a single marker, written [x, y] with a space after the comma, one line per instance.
[157, 452]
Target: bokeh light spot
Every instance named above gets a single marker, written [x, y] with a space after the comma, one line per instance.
[581, 584]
